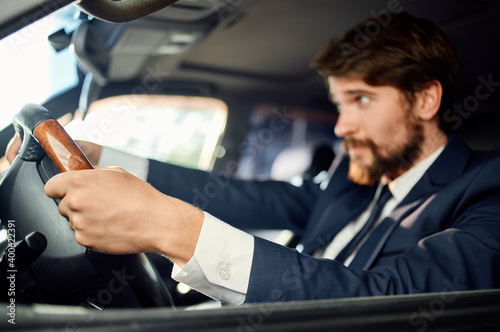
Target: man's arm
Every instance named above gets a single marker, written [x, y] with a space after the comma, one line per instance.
[208, 280]
[240, 203]
[464, 254]
[243, 204]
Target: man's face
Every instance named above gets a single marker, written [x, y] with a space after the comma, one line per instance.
[381, 134]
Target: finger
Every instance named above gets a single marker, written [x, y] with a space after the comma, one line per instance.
[58, 185]
[13, 149]
[65, 211]
[70, 220]
[116, 169]
[111, 168]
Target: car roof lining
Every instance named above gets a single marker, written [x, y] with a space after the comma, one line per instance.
[263, 31]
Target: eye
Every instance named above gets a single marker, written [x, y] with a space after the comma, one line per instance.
[363, 100]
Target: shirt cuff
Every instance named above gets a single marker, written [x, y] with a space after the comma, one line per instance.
[136, 165]
[220, 267]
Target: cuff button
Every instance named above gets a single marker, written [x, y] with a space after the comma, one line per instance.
[224, 273]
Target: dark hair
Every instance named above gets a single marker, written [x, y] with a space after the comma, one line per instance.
[399, 50]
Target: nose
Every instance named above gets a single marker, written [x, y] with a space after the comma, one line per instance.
[345, 125]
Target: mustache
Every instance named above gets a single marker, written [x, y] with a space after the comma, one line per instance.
[350, 142]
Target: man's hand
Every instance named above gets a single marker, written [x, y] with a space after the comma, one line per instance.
[91, 150]
[114, 212]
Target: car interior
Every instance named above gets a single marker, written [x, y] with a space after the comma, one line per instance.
[209, 84]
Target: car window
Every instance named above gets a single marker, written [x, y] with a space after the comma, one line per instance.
[178, 129]
[282, 142]
[28, 66]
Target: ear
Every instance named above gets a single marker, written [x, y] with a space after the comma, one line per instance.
[429, 100]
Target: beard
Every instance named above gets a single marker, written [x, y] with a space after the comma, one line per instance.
[390, 160]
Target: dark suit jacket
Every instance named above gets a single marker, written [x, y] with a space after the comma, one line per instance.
[444, 236]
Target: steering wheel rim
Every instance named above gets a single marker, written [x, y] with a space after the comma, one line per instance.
[122, 11]
[43, 136]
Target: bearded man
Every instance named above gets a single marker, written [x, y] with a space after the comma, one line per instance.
[408, 208]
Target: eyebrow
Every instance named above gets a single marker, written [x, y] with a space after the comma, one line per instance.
[359, 92]
[354, 93]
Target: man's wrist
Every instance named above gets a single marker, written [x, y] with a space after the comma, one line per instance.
[178, 233]
[221, 265]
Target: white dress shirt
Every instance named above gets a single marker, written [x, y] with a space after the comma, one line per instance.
[399, 188]
[221, 265]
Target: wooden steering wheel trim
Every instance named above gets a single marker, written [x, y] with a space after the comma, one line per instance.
[63, 151]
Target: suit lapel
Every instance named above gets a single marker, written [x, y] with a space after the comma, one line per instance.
[342, 201]
[335, 217]
[447, 167]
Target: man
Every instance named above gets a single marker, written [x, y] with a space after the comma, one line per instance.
[430, 205]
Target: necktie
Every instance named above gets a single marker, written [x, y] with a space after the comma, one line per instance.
[385, 195]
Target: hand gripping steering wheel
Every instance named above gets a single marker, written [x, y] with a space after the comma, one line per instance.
[66, 272]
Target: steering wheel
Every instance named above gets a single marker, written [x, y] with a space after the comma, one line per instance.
[66, 272]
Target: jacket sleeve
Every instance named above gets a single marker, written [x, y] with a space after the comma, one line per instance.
[241, 203]
[463, 255]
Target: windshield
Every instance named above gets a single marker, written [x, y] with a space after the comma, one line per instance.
[27, 65]
[185, 133]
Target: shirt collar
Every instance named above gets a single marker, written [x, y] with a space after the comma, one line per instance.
[401, 186]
